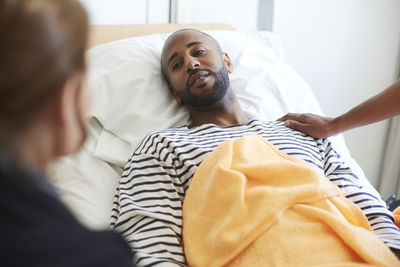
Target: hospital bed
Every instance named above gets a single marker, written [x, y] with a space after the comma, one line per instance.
[131, 99]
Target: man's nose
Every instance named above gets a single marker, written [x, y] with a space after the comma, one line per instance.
[192, 64]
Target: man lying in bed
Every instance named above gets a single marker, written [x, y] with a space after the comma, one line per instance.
[149, 199]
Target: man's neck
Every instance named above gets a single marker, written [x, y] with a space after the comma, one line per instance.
[221, 116]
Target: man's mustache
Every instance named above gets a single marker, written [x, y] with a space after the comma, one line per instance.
[193, 72]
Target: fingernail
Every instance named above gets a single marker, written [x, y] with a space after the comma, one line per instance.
[287, 123]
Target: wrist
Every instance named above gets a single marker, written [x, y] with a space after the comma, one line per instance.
[336, 125]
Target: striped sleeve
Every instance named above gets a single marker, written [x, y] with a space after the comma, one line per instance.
[147, 211]
[379, 217]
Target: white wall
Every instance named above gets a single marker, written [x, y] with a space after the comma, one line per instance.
[127, 11]
[242, 15]
[347, 50]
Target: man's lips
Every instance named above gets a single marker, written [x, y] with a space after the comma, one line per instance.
[198, 78]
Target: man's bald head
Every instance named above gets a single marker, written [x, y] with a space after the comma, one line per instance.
[196, 69]
[167, 51]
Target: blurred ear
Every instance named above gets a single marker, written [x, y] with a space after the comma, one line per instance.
[71, 129]
[172, 90]
[68, 99]
[228, 62]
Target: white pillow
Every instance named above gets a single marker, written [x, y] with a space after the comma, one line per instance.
[132, 99]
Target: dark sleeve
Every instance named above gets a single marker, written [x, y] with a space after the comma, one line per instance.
[36, 229]
[67, 247]
[88, 249]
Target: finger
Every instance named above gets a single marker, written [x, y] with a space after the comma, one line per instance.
[305, 128]
[283, 118]
[296, 125]
[289, 116]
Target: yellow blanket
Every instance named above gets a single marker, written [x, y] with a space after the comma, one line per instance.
[251, 205]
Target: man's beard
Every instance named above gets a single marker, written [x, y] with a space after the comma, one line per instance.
[210, 97]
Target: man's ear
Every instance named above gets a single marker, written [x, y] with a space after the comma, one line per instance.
[228, 62]
[172, 90]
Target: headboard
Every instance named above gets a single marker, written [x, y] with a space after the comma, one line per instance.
[100, 34]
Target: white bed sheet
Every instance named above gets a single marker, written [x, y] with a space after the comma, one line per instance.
[86, 183]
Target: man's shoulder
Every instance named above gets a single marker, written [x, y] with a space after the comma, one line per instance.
[154, 138]
[167, 132]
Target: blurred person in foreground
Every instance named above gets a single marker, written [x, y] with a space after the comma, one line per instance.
[43, 105]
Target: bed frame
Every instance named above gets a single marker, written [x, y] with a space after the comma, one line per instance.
[100, 34]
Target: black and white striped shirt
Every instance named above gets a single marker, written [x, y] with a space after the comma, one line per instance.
[147, 208]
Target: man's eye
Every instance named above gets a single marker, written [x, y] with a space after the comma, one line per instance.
[176, 65]
[199, 52]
